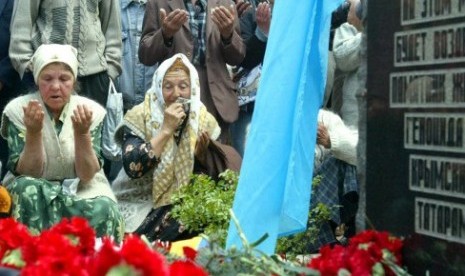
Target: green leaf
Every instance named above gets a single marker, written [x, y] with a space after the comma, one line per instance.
[14, 258]
[123, 270]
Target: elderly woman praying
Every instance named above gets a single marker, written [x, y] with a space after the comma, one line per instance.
[54, 140]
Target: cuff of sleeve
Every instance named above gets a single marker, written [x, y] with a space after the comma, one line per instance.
[261, 35]
[335, 141]
[168, 42]
[113, 72]
[227, 41]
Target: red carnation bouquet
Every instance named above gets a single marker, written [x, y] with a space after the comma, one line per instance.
[368, 253]
[69, 248]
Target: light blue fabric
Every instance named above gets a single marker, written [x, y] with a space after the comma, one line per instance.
[274, 188]
[136, 78]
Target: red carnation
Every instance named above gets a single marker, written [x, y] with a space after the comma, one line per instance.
[80, 229]
[12, 235]
[134, 252]
[106, 258]
[190, 253]
[137, 254]
[186, 267]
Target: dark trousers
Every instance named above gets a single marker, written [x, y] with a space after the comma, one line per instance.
[26, 85]
[95, 87]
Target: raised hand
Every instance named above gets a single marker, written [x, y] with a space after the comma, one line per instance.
[82, 119]
[263, 17]
[174, 115]
[242, 7]
[33, 116]
[172, 23]
[223, 17]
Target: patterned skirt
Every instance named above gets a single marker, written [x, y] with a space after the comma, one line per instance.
[159, 225]
[40, 204]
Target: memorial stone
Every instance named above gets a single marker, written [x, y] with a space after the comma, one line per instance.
[415, 154]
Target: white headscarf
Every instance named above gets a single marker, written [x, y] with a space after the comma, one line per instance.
[157, 102]
[50, 53]
[177, 160]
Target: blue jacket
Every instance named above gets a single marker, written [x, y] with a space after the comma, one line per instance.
[135, 78]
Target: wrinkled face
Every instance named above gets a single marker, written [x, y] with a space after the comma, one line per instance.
[176, 84]
[56, 83]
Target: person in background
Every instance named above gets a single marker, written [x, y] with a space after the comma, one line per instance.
[335, 165]
[54, 140]
[208, 33]
[136, 78]
[93, 27]
[346, 52]
[164, 140]
[255, 26]
[10, 83]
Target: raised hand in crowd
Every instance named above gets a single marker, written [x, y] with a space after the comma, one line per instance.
[224, 19]
[171, 23]
[241, 7]
[263, 17]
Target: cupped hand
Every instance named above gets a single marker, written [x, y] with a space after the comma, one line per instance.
[263, 17]
[172, 23]
[174, 115]
[223, 17]
[242, 7]
[33, 116]
[82, 119]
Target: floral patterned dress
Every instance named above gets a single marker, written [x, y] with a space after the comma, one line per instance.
[41, 203]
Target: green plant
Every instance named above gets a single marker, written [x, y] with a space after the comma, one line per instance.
[246, 261]
[297, 244]
[203, 205]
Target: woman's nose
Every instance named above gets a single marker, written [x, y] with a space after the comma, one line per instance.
[177, 92]
[56, 84]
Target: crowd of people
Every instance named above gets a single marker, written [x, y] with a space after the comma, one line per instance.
[189, 71]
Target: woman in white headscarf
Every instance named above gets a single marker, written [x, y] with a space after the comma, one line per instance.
[54, 141]
[164, 140]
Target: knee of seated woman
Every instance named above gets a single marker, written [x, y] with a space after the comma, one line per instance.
[106, 205]
[23, 184]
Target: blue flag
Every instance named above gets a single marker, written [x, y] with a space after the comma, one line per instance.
[273, 194]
